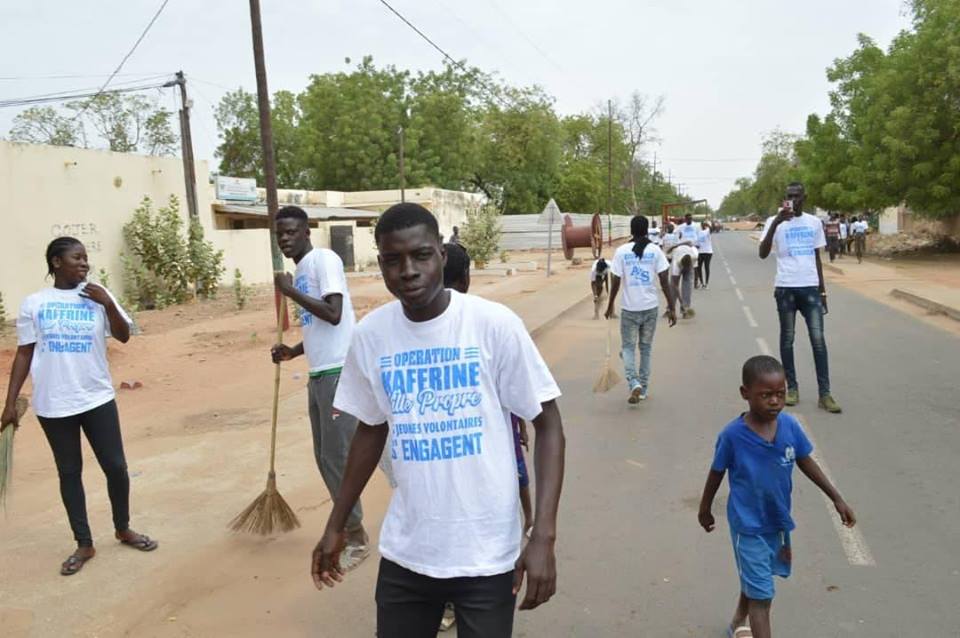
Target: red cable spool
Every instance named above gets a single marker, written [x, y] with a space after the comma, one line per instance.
[574, 237]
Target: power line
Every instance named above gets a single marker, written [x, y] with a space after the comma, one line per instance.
[63, 97]
[146, 30]
[713, 159]
[446, 55]
[66, 77]
[523, 35]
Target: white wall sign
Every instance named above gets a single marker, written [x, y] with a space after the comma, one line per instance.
[236, 189]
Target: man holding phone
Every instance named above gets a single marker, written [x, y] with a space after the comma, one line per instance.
[797, 238]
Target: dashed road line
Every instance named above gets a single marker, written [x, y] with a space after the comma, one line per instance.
[851, 538]
[739, 294]
[750, 320]
[732, 280]
[764, 347]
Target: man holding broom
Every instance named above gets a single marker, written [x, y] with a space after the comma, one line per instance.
[320, 289]
[436, 373]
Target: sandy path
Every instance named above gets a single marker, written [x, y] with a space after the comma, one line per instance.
[196, 437]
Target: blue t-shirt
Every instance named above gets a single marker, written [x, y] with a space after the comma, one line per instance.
[760, 473]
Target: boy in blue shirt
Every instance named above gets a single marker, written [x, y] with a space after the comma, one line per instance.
[759, 449]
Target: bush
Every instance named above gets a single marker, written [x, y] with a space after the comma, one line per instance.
[481, 234]
[3, 316]
[241, 292]
[103, 277]
[162, 263]
[504, 256]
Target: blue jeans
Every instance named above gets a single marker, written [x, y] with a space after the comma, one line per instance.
[637, 326]
[807, 302]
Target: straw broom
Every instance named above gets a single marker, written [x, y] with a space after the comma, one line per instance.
[6, 451]
[608, 377]
[269, 511]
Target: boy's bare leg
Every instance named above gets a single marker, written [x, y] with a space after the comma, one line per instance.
[760, 618]
[740, 615]
[527, 509]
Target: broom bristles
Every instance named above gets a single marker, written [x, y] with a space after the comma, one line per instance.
[608, 379]
[268, 512]
[6, 452]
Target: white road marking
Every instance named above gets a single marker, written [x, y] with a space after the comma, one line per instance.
[851, 538]
[762, 344]
[732, 280]
[750, 320]
[636, 463]
[739, 294]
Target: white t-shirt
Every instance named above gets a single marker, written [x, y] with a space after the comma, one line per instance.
[669, 241]
[638, 277]
[843, 230]
[795, 245]
[705, 241]
[69, 367]
[593, 270]
[860, 228]
[447, 387]
[688, 231]
[319, 275]
[654, 235]
[678, 254]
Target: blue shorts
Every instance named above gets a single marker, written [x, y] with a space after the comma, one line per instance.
[759, 558]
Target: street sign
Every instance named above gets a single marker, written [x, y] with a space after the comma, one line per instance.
[550, 216]
[236, 189]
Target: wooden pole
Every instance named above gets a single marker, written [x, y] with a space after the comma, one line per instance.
[266, 142]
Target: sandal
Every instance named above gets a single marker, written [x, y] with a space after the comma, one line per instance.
[142, 542]
[73, 564]
[743, 631]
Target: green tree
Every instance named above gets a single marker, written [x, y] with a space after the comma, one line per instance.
[128, 123]
[45, 125]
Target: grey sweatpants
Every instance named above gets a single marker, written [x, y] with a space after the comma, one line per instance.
[332, 434]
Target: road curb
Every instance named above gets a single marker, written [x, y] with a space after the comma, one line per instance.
[928, 304]
[543, 327]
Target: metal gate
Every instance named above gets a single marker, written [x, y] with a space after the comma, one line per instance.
[341, 242]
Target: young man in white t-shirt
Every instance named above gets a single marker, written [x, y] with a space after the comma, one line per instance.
[638, 265]
[688, 231]
[653, 233]
[682, 269]
[437, 375]
[327, 320]
[796, 238]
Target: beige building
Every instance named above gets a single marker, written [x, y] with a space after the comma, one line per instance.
[50, 191]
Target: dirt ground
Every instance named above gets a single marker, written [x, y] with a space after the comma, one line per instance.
[196, 436]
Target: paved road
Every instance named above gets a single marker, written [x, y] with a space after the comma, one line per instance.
[633, 560]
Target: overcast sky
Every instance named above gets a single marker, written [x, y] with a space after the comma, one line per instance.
[729, 71]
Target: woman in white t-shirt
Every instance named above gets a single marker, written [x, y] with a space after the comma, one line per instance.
[61, 338]
[705, 250]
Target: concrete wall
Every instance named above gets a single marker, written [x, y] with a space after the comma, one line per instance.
[50, 191]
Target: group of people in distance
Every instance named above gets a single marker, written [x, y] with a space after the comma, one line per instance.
[843, 237]
[435, 388]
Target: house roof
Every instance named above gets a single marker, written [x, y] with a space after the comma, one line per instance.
[313, 212]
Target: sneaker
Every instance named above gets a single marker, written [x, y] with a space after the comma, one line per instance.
[830, 404]
[793, 397]
[643, 394]
[635, 395]
[691, 312]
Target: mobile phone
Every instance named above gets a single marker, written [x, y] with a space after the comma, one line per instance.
[787, 205]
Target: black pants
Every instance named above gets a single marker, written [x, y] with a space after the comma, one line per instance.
[703, 268]
[101, 425]
[410, 605]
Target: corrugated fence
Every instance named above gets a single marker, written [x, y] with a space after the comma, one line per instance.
[521, 232]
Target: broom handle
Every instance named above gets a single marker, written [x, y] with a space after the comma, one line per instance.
[281, 313]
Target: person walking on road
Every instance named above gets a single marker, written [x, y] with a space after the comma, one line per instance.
[759, 450]
[61, 343]
[844, 232]
[639, 264]
[654, 234]
[435, 373]
[705, 251]
[797, 237]
[320, 289]
[859, 229]
[599, 282]
[688, 230]
[831, 228]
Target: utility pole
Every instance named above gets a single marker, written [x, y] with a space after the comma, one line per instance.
[403, 177]
[186, 145]
[609, 172]
[266, 141]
